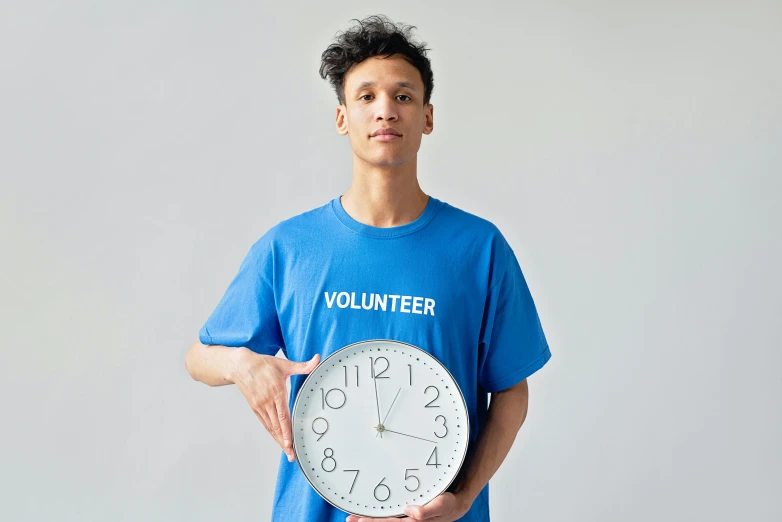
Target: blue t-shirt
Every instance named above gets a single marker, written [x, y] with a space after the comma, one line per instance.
[447, 282]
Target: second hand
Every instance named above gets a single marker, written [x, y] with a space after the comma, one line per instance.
[389, 409]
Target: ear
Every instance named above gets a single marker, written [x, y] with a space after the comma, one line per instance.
[342, 120]
[428, 119]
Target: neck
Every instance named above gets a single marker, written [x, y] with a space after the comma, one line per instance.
[385, 197]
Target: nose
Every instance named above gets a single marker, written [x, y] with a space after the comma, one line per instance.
[386, 109]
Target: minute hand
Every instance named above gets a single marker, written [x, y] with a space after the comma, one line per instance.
[377, 400]
[413, 436]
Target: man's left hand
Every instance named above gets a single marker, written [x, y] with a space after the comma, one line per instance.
[444, 508]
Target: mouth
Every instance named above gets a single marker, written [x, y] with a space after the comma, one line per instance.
[385, 137]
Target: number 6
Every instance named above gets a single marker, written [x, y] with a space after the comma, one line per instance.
[383, 485]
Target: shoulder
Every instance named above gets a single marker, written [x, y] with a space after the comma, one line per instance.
[475, 228]
[291, 232]
[479, 240]
[470, 222]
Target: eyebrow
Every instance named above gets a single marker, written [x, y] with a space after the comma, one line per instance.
[364, 85]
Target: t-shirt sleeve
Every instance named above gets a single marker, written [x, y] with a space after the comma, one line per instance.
[247, 314]
[512, 344]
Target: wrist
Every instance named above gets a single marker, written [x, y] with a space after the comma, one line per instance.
[464, 499]
[237, 362]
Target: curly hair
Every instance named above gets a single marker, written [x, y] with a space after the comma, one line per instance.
[375, 36]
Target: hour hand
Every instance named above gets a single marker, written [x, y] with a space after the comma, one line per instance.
[411, 436]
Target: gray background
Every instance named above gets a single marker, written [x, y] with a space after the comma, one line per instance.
[631, 152]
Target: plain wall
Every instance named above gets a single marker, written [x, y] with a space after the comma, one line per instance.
[630, 152]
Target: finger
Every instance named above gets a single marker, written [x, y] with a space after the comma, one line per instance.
[283, 416]
[354, 518]
[414, 512]
[296, 368]
[274, 424]
[264, 417]
[261, 414]
[432, 510]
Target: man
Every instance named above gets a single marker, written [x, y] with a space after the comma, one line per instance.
[383, 236]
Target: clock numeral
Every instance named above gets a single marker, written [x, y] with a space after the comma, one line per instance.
[372, 364]
[321, 433]
[418, 485]
[346, 376]
[380, 484]
[410, 371]
[328, 457]
[437, 397]
[434, 454]
[354, 479]
[324, 397]
[444, 426]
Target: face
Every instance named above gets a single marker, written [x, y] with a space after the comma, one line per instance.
[381, 93]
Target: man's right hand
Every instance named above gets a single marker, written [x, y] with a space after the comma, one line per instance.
[262, 380]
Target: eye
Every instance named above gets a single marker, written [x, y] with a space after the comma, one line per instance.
[405, 95]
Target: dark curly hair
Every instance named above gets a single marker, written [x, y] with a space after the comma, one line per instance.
[375, 36]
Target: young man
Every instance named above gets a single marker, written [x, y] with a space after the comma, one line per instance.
[384, 236]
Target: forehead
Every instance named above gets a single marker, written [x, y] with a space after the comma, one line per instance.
[383, 72]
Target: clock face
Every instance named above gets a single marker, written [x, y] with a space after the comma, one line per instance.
[378, 425]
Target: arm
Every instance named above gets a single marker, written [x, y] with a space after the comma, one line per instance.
[507, 412]
[214, 365]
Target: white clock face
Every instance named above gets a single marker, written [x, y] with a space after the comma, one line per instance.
[378, 425]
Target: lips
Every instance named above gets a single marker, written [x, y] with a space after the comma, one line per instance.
[386, 137]
[385, 132]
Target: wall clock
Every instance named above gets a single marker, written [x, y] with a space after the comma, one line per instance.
[380, 424]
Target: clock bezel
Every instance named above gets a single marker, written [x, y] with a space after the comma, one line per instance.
[408, 345]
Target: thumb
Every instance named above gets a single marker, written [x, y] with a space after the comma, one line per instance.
[305, 366]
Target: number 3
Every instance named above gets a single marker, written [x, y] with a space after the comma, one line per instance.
[444, 426]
